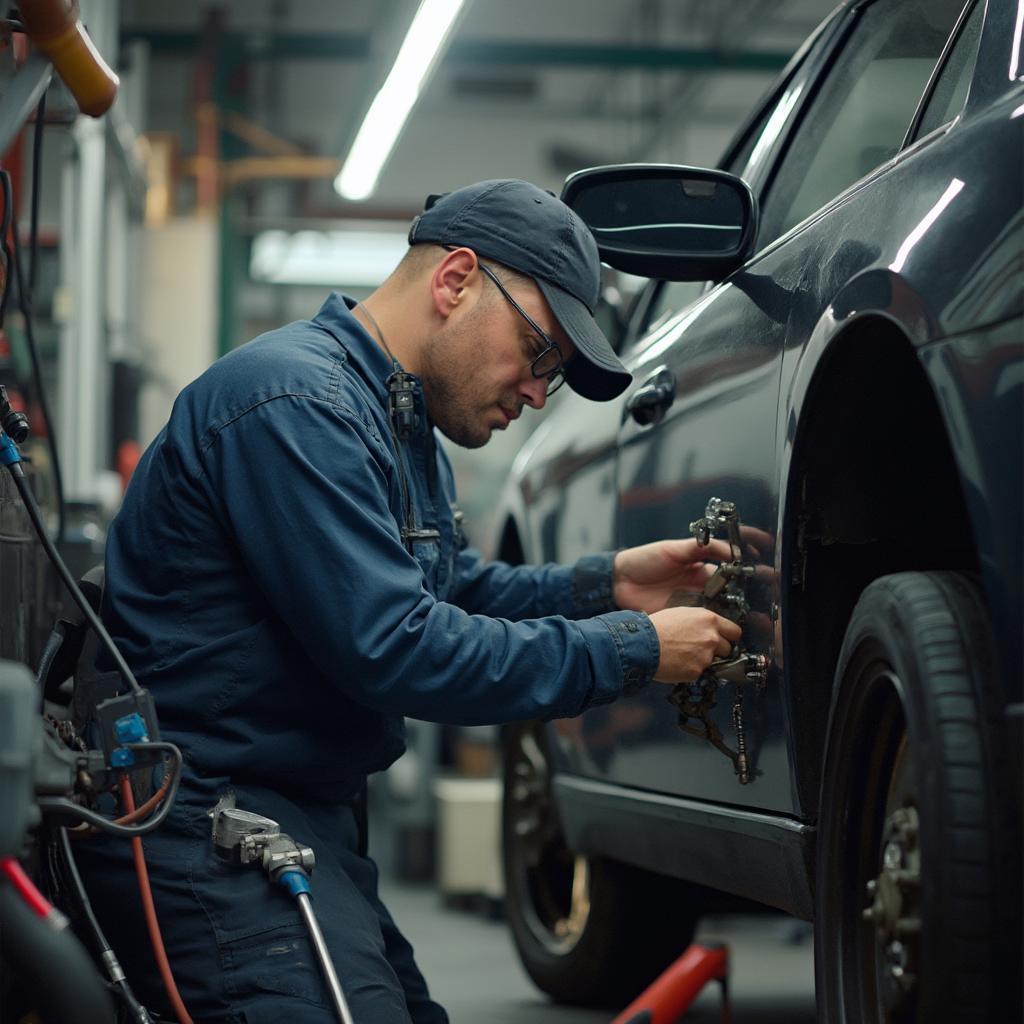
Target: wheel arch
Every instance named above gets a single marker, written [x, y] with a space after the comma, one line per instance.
[872, 488]
[510, 546]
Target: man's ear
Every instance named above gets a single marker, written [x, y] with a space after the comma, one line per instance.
[454, 281]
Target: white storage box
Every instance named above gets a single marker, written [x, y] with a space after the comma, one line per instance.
[469, 836]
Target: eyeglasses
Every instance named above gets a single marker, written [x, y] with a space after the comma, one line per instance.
[548, 362]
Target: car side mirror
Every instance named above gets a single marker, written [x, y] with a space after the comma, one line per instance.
[664, 221]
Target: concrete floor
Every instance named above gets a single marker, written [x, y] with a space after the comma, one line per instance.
[472, 969]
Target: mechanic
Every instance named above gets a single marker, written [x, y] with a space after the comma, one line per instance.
[287, 575]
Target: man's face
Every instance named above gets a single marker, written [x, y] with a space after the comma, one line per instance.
[476, 372]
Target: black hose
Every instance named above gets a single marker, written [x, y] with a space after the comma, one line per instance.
[25, 302]
[28, 307]
[52, 966]
[109, 959]
[61, 807]
[68, 856]
[80, 599]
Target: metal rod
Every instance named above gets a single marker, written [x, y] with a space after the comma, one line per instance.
[21, 97]
[337, 995]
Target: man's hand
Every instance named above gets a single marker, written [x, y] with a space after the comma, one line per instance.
[691, 638]
[644, 577]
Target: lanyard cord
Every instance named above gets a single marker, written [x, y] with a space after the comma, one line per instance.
[380, 334]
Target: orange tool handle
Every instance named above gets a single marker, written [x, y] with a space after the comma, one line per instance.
[670, 995]
[54, 27]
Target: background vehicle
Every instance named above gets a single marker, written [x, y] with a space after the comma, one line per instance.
[854, 383]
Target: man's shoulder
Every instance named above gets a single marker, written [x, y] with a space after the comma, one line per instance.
[306, 365]
[300, 358]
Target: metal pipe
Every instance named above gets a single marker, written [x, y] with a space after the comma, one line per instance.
[330, 975]
[21, 96]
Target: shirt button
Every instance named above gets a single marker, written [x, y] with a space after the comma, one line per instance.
[631, 627]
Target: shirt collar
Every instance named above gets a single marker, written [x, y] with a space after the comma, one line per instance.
[365, 353]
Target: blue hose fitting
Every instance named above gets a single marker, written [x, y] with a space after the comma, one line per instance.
[295, 880]
[9, 453]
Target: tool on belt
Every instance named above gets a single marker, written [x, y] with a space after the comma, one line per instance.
[248, 838]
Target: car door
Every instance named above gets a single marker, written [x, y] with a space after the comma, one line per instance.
[718, 364]
[572, 497]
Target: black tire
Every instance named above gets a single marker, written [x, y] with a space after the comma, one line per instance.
[589, 932]
[918, 824]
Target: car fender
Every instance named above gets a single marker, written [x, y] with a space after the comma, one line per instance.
[875, 293]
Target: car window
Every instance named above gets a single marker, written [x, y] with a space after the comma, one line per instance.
[667, 298]
[747, 155]
[950, 90]
[862, 111]
[762, 141]
[759, 135]
[671, 297]
[737, 163]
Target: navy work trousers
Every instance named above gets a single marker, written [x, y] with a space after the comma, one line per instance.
[236, 942]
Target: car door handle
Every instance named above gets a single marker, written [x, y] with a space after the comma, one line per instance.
[649, 403]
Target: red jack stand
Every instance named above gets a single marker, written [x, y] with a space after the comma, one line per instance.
[670, 995]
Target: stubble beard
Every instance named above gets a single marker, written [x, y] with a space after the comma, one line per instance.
[448, 394]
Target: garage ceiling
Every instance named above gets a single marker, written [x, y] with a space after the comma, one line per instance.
[533, 89]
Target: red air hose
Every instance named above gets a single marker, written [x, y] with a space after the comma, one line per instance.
[152, 924]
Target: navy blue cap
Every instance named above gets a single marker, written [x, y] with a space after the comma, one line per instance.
[527, 229]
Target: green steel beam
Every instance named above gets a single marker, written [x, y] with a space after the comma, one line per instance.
[255, 46]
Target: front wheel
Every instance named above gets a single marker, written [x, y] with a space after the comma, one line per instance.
[589, 931]
[917, 905]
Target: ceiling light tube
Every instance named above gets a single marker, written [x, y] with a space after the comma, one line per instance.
[421, 49]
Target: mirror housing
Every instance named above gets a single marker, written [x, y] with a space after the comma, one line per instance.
[665, 221]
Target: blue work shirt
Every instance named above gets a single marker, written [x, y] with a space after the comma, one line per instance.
[258, 584]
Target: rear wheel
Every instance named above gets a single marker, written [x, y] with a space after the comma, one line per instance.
[918, 885]
[590, 932]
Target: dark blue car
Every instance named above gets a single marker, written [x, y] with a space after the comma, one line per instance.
[834, 346]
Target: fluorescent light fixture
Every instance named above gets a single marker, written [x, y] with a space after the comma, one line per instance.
[422, 48]
[338, 259]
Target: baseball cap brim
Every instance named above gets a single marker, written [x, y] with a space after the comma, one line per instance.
[595, 372]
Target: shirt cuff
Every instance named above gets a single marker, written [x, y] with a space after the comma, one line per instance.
[592, 585]
[631, 662]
